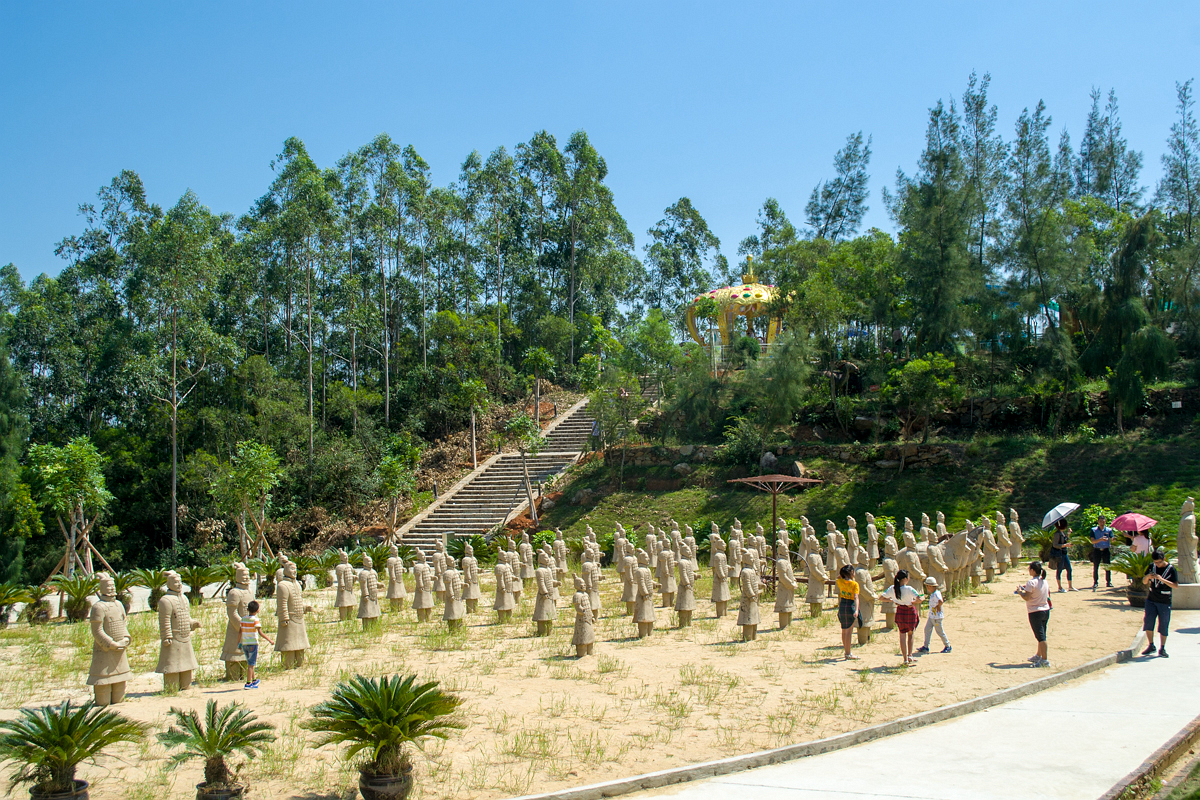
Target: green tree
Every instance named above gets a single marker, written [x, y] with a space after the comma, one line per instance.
[919, 389]
[69, 481]
[1179, 189]
[474, 396]
[526, 435]
[243, 487]
[539, 362]
[678, 255]
[836, 208]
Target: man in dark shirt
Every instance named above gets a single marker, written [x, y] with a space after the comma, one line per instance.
[1161, 579]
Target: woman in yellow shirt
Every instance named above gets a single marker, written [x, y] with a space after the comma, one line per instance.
[847, 606]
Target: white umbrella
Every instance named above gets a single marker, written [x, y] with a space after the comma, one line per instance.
[1060, 511]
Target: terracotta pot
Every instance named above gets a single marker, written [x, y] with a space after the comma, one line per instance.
[80, 792]
[231, 792]
[385, 787]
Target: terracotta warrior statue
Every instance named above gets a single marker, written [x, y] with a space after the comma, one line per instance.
[653, 547]
[423, 588]
[368, 604]
[1004, 542]
[292, 639]
[544, 608]
[910, 559]
[734, 556]
[560, 555]
[720, 575]
[504, 605]
[853, 543]
[396, 592]
[618, 552]
[109, 670]
[584, 635]
[989, 548]
[528, 570]
[235, 608]
[666, 577]
[1186, 542]
[470, 579]
[685, 597]
[748, 609]
[814, 595]
[644, 601]
[438, 567]
[176, 658]
[866, 603]
[592, 576]
[517, 587]
[344, 599]
[629, 580]
[452, 580]
[785, 586]
[941, 526]
[1014, 535]
[890, 567]
[714, 533]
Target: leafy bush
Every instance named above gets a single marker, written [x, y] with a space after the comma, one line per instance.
[76, 591]
[743, 444]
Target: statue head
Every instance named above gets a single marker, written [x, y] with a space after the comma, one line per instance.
[758, 529]
[924, 520]
[870, 518]
[440, 546]
[748, 558]
[470, 551]
[650, 537]
[674, 525]
[999, 519]
[715, 542]
[289, 570]
[395, 551]
[451, 563]
[1189, 506]
[690, 532]
[367, 562]
[344, 556]
[174, 582]
[890, 527]
[643, 559]
[241, 574]
[1012, 515]
[781, 550]
[908, 524]
[279, 576]
[108, 587]
[543, 559]
[419, 556]
[714, 529]
[578, 581]
[829, 526]
[524, 537]
[558, 534]
[889, 546]
[852, 523]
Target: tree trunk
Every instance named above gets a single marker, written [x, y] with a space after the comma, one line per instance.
[529, 489]
[474, 452]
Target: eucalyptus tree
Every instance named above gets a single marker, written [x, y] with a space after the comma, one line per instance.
[836, 207]
[679, 256]
[180, 264]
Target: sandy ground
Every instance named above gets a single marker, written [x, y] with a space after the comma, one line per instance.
[537, 718]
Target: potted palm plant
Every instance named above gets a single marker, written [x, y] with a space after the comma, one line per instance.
[196, 578]
[47, 744]
[225, 730]
[125, 581]
[75, 593]
[1135, 565]
[37, 610]
[155, 580]
[378, 719]
[10, 595]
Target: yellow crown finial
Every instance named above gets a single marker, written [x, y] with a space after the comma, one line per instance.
[748, 276]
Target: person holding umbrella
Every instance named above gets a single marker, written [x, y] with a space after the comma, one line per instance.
[1161, 579]
[1061, 542]
[1102, 537]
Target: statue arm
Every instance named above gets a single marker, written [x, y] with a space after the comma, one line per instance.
[165, 631]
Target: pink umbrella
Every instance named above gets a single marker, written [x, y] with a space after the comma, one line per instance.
[1133, 522]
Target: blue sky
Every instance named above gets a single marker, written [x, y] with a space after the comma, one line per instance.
[726, 103]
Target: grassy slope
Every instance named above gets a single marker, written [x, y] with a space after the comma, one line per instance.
[1029, 474]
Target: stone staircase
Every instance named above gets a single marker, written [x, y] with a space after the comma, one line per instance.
[495, 491]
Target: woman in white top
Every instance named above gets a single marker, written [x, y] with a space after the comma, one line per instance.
[908, 603]
[1036, 594]
[1140, 542]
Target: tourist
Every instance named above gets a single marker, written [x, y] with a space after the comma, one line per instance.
[251, 630]
[1139, 542]
[1102, 537]
[1059, 547]
[937, 613]
[1036, 594]
[1161, 579]
[847, 606]
[907, 600]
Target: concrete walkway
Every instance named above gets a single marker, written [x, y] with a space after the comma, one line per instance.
[1072, 742]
